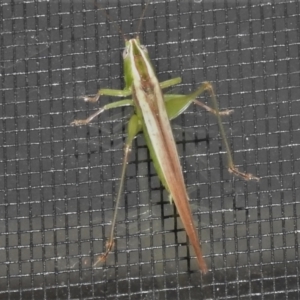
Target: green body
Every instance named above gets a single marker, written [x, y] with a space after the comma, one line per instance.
[151, 115]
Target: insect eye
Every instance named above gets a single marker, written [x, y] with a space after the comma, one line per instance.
[125, 52]
[144, 48]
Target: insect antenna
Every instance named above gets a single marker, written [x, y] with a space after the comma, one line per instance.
[141, 18]
[117, 26]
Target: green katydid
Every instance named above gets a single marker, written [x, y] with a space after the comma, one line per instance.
[153, 111]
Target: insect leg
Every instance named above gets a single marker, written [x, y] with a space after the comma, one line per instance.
[126, 102]
[134, 127]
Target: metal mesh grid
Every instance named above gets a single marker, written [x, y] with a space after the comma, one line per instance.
[58, 182]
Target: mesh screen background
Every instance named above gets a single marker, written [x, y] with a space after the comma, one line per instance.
[58, 182]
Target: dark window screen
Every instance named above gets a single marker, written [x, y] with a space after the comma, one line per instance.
[58, 182]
